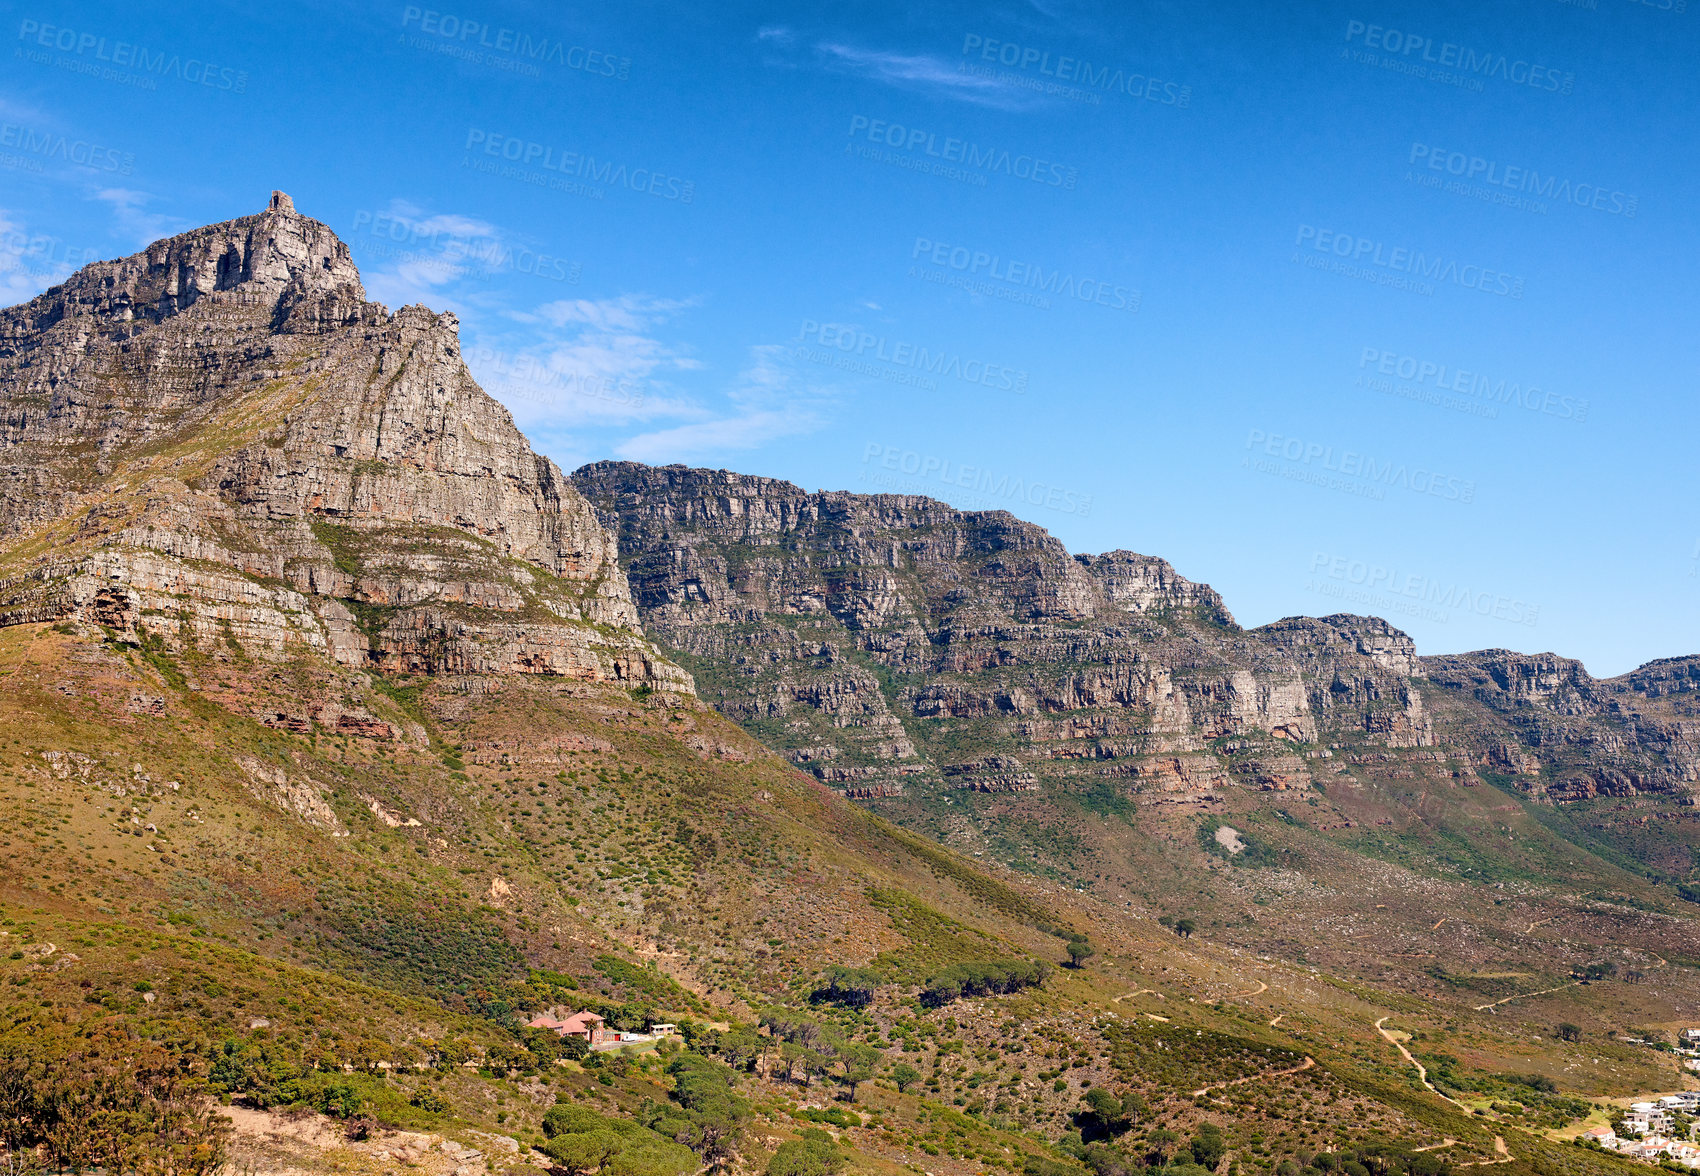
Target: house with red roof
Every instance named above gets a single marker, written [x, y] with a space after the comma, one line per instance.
[586, 1025]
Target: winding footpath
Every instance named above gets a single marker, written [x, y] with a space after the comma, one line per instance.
[1493, 1004]
[1298, 1069]
[1422, 1071]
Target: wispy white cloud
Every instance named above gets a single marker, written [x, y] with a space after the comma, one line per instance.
[769, 401]
[598, 361]
[132, 221]
[30, 262]
[923, 73]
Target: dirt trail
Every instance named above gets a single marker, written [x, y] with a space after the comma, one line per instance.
[1136, 992]
[1448, 1142]
[1277, 1020]
[1492, 1004]
[1422, 1071]
[1503, 1155]
[1298, 1069]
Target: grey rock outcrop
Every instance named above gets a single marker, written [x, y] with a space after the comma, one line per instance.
[875, 637]
[221, 439]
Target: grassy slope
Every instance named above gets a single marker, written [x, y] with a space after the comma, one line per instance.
[558, 830]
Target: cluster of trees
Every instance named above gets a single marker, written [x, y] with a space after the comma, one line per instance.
[1108, 1117]
[812, 1049]
[852, 987]
[268, 1071]
[698, 1125]
[1165, 1151]
[1377, 1159]
[99, 1097]
[983, 978]
[580, 1141]
[1184, 926]
[1105, 1116]
[703, 1111]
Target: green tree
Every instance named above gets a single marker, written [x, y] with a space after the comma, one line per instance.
[860, 1063]
[1079, 951]
[1208, 1146]
[710, 1114]
[812, 1155]
[905, 1075]
[1160, 1143]
[584, 1152]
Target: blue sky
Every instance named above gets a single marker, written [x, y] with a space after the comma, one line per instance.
[1368, 307]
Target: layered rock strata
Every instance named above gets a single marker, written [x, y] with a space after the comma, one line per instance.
[221, 443]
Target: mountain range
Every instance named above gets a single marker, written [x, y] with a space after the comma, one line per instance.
[344, 732]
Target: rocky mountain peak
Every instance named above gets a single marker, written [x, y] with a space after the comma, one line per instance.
[268, 263]
[228, 396]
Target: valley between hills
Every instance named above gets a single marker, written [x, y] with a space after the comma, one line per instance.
[343, 735]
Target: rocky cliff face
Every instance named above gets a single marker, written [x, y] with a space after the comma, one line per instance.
[220, 445]
[885, 641]
[968, 674]
[1572, 736]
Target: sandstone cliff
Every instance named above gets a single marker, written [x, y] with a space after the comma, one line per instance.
[887, 640]
[1573, 736]
[220, 445]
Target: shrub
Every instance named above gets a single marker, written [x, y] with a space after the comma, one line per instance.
[429, 1100]
[105, 1099]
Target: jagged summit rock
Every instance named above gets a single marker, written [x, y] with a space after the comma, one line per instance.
[270, 259]
[220, 434]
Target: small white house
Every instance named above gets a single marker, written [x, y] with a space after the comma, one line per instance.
[1646, 1118]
